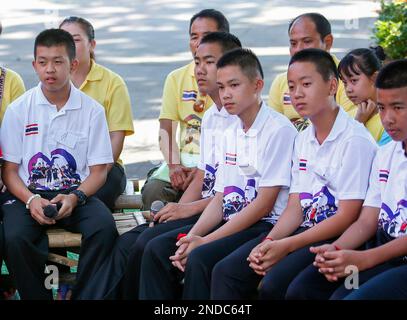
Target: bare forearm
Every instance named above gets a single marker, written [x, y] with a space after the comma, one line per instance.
[289, 221]
[198, 206]
[325, 230]
[194, 190]
[390, 250]
[16, 186]
[116, 140]
[94, 181]
[211, 217]
[168, 143]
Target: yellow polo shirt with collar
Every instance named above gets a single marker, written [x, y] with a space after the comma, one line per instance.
[13, 88]
[179, 96]
[110, 90]
[279, 97]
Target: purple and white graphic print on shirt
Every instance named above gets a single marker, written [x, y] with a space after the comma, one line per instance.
[394, 223]
[57, 173]
[318, 207]
[235, 199]
[209, 181]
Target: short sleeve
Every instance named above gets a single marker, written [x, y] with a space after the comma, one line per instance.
[355, 167]
[99, 146]
[275, 100]
[12, 131]
[373, 196]
[119, 116]
[295, 181]
[170, 99]
[277, 160]
[220, 180]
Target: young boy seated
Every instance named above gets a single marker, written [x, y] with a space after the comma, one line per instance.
[383, 217]
[330, 173]
[119, 275]
[56, 148]
[253, 178]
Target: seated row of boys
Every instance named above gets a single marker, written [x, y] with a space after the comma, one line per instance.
[245, 175]
[185, 105]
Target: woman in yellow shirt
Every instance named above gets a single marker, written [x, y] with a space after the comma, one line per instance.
[109, 89]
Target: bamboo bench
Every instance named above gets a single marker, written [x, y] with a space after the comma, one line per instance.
[60, 238]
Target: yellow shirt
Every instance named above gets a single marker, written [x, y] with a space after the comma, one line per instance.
[13, 88]
[374, 125]
[179, 96]
[110, 90]
[279, 96]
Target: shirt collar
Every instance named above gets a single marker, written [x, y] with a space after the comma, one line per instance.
[338, 127]
[400, 148]
[95, 73]
[73, 102]
[258, 123]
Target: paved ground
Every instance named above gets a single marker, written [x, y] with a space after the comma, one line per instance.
[144, 40]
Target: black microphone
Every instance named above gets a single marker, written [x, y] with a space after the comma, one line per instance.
[156, 206]
[51, 210]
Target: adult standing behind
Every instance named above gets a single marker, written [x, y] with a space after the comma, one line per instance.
[309, 30]
[110, 90]
[183, 104]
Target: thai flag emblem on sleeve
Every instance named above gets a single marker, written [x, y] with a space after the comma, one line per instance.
[286, 99]
[383, 175]
[189, 95]
[230, 158]
[31, 129]
[303, 165]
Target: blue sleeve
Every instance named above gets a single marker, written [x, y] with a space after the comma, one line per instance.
[384, 139]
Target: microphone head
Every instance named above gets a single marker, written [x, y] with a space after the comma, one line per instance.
[156, 206]
[50, 211]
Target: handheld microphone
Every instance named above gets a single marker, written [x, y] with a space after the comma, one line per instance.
[156, 206]
[51, 210]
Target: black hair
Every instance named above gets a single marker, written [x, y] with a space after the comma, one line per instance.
[221, 21]
[56, 37]
[226, 41]
[323, 61]
[363, 60]
[321, 23]
[245, 59]
[393, 75]
[85, 25]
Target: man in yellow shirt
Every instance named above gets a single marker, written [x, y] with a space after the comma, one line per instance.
[309, 30]
[181, 104]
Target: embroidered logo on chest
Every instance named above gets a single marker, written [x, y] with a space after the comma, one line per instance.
[383, 175]
[230, 158]
[303, 165]
[31, 129]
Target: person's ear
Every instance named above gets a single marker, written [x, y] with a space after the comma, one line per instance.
[74, 65]
[374, 76]
[259, 84]
[328, 41]
[333, 86]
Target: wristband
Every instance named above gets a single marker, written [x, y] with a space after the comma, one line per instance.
[30, 199]
[267, 238]
[181, 235]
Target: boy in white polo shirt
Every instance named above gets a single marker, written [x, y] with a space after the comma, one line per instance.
[56, 149]
[256, 165]
[118, 278]
[382, 267]
[330, 173]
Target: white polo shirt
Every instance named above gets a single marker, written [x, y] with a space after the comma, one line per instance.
[261, 157]
[214, 124]
[54, 149]
[388, 189]
[338, 169]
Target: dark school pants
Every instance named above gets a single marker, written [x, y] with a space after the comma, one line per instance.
[389, 285]
[310, 284]
[118, 277]
[113, 187]
[233, 279]
[26, 244]
[160, 280]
